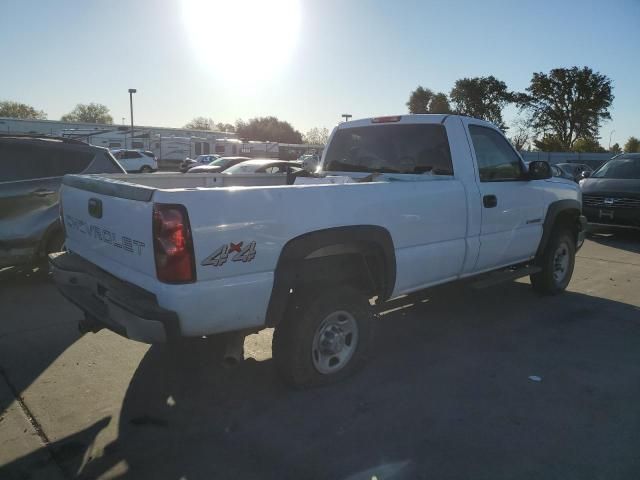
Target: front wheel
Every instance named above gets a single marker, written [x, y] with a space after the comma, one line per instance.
[324, 337]
[146, 169]
[557, 264]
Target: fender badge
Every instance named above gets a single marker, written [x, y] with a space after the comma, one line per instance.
[240, 254]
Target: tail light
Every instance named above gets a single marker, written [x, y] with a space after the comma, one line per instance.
[172, 244]
[391, 119]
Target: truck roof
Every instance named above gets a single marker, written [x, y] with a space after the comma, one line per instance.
[408, 118]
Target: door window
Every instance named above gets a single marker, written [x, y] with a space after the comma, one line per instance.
[497, 160]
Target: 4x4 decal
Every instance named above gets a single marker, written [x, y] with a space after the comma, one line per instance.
[239, 253]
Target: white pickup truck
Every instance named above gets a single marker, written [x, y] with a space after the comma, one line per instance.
[401, 203]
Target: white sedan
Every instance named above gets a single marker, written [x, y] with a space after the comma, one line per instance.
[271, 167]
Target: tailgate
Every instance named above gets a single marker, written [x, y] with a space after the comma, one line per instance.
[109, 223]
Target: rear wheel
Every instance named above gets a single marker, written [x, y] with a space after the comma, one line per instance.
[323, 338]
[557, 264]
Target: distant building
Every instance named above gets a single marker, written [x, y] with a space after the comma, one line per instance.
[170, 145]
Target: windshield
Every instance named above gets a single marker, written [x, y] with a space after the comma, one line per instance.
[245, 168]
[220, 162]
[414, 148]
[621, 168]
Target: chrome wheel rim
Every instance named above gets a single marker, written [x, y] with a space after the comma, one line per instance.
[334, 342]
[560, 263]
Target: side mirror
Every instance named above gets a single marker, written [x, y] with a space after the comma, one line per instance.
[539, 170]
[585, 174]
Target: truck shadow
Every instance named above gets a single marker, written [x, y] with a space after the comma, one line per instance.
[37, 325]
[447, 394]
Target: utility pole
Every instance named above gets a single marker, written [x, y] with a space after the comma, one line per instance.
[346, 116]
[131, 92]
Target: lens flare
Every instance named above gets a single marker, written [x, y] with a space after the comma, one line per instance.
[245, 40]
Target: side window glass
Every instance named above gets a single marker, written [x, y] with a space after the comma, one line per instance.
[497, 161]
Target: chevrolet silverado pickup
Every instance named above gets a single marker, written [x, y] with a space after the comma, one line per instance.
[400, 203]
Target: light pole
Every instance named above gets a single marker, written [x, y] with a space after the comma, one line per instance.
[346, 116]
[131, 92]
[610, 135]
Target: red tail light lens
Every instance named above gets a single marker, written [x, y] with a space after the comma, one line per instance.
[172, 244]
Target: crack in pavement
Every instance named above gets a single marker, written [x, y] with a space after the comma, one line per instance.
[32, 419]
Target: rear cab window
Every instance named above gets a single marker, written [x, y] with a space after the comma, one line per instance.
[400, 148]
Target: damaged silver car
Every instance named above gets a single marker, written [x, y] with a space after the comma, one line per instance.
[31, 171]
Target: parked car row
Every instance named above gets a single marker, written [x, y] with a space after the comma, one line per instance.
[188, 163]
[235, 165]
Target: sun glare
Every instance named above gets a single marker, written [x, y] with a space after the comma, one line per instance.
[242, 39]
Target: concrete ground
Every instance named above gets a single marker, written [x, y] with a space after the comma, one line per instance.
[447, 394]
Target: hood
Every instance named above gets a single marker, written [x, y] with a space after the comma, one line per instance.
[205, 169]
[611, 186]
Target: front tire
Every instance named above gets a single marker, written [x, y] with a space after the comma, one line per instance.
[324, 337]
[146, 169]
[557, 264]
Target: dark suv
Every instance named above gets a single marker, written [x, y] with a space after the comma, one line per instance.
[31, 170]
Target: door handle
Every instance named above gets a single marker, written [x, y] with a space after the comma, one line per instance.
[490, 201]
[42, 192]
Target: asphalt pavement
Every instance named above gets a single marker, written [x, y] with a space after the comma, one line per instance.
[499, 383]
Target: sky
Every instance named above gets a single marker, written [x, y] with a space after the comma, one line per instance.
[304, 61]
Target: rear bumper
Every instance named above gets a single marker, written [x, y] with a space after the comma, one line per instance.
[114, 304]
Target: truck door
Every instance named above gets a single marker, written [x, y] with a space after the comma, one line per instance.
[512, 206]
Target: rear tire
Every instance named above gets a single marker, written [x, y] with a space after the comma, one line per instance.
[324, 337]
[557, 264]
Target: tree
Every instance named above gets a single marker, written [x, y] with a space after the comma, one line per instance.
[424, 100]
[588, 145]
[225, 127]
[632, 145]
[268, 129]
[549, 143]
[20, 110]
[200, 123]
[89, 113]
[521, 134]
[481, 97]
[615, 149]
[316, 136]
[568, 103]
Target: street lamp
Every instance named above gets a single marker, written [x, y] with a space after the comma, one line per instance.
[131, 92]
[346, 116]
[610, 135]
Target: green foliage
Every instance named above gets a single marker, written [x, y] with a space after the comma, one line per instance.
[424, 100]
[225, 127]
[632, 145]
[316, 136]
[615, 149]
[89, 113]
[20, 110]
[587, 145]
[268, 129]
[567, 104]
[549, 143]
[481, 97]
